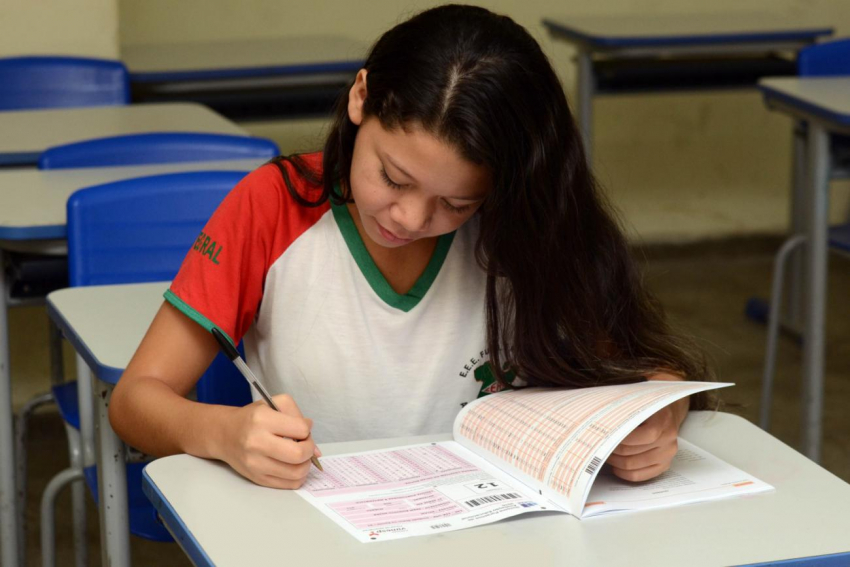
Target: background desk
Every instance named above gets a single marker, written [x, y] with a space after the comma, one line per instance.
[222, 519]
[261, 78]
[824, 104]
[677, 52]
[25, 134]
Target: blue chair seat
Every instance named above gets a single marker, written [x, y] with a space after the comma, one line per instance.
[839, 237]
[143, 519]
[65, 395]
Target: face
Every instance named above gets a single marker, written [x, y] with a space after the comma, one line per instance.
[407, 185]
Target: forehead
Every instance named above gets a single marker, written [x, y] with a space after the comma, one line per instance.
[430, 162]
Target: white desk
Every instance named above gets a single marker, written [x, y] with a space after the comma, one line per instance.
[32, 218]
[25, 134]
[824, 105]
[105, 324]
[222, 519]
[249, 78]
[650, 53]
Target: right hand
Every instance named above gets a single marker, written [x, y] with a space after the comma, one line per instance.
[268, 447]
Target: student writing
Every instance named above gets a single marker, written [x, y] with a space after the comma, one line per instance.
[448, 240]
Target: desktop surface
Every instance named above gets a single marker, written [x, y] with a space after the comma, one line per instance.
[222, 519]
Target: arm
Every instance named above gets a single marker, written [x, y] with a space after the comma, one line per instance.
[149, 410]
[648, 450]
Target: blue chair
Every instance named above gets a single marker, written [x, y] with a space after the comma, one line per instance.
[135, 149]
[821, 60]
[133, 231]
[53, 82]
[153, 148]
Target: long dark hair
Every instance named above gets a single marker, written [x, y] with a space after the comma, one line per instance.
[565, 303]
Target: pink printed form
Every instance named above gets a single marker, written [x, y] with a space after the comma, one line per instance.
[393, 510]
[386, 470]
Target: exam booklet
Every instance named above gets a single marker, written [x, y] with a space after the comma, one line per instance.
[519, 452]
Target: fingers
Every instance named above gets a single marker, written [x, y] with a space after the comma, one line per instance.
[279, 476]
[639, 475]
[643, 465]
[282, 423]
[287, 405]
[663, 454]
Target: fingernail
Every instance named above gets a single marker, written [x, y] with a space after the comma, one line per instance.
[317, 451]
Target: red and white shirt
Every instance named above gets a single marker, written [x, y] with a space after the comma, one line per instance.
[320, 322]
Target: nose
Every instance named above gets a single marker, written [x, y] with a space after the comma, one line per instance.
[413, 213]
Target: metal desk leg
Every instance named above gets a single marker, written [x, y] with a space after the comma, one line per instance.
[816, 278]
[9, 552]
[793, 319]
[112, 484]
[584, 93]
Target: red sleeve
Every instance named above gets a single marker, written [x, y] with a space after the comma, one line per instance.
[221, 280]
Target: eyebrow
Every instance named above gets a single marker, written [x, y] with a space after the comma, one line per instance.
[396, 166]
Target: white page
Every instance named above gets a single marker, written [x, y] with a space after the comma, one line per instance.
[555, 439]
[695, 475]
[416, 490]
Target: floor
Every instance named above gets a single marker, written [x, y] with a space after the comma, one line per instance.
[703, 287]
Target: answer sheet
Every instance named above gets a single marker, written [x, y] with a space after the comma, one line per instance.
[415, 490]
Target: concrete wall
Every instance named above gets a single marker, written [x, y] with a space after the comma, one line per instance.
[679, 166]
[50, 27]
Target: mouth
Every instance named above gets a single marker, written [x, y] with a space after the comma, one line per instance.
[390, 237]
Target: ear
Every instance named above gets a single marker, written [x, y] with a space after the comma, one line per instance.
[357, 97]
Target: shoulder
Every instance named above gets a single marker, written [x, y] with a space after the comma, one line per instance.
[286, 179]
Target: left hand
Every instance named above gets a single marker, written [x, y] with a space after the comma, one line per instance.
[648, 450]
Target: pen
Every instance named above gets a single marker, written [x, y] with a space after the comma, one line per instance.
[234, 357]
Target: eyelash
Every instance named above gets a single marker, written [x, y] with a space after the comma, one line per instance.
[449, 206]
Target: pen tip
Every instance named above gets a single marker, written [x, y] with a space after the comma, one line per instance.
[316, 462]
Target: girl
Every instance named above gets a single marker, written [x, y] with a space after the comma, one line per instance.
[449, 238]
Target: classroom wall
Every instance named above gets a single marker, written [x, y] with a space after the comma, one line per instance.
[680, 167]
[59, 27]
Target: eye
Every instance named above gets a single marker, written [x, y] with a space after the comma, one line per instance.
[458, 210]
[389, 181]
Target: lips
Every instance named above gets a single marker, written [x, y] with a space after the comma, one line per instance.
[390, 237]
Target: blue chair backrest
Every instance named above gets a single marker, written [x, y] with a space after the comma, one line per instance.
[139, 230]
[53, 82]
[825, 59]
[156, 148]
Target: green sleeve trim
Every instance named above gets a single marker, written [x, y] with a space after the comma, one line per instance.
[377, 281]
[192, 314]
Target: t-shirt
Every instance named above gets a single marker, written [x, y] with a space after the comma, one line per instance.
[320, 322]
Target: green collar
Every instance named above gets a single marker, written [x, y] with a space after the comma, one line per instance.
[404, 302]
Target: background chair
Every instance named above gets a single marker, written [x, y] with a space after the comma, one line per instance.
[132, 231]
[52, 271]
[52, 82]
[164, 147]
[821, 60]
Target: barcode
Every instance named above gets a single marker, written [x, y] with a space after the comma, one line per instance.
[440, 526]
[594, 464]
[493, 498]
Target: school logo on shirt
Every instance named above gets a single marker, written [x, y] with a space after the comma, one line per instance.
[489, 384]
[208, 248]
[484, 373]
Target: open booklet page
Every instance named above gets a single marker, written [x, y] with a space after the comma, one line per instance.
[437, 487]
[694, 476]
[555, 440]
